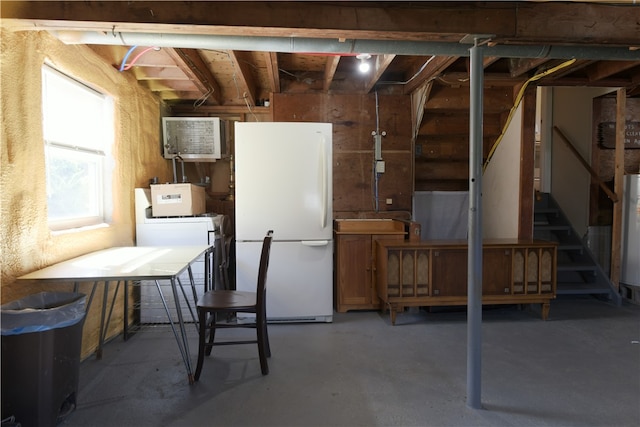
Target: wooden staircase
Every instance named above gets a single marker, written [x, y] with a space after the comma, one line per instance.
[578, 270]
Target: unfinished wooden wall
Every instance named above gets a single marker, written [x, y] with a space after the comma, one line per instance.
[354, 120]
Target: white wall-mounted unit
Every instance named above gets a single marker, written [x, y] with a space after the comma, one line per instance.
[197, 139]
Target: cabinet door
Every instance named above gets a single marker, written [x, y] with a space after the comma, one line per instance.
[354, 271]
[496, 271]
[449, 272]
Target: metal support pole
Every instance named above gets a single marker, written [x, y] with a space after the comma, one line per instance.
[474, 263]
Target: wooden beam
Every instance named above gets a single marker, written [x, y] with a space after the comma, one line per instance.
[379, 66]
[330, 71]
[190, 62]
[174, 86]
[218, 110]
[576, 66]
[604, 69]
[418, 98]
[527, 157]
[434, 66]
[244, 77]
[584, 81]
[271, 58]
[159, 73]
[458, 78]
[520, 66]
[618, 186]
[531, 22]
[488, 60]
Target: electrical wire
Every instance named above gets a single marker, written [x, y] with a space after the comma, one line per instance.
[517, 103]
[416, 74]
[135, 59]
[198, 102]
[246, 101]
[124, 60]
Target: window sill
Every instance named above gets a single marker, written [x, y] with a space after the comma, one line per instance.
[79, 229]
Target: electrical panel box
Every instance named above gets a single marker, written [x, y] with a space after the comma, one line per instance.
[196, 139]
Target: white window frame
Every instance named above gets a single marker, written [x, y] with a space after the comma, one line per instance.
[77, 127]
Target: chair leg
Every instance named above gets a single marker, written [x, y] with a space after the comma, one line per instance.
[202, 319]
[212, 333]
[266, 337]
[262, 344]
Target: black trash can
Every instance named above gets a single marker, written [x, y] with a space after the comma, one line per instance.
[41, 344]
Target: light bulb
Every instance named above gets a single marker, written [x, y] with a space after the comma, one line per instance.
[364, 65]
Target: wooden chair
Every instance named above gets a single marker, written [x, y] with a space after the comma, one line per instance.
[218, 304]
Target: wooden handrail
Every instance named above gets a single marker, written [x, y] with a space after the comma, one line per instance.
[613, 196]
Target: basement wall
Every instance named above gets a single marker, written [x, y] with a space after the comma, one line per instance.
[500, 185]
[26, 242]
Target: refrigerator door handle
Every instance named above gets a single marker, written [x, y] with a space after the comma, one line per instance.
[315, 242]
[323, 168]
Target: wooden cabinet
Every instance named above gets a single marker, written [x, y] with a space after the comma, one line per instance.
[355, 260]
[432, 273]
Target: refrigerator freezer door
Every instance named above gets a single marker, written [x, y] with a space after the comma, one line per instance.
[299, 279]
[283, 181]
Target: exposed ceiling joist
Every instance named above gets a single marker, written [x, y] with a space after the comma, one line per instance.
[521, 66]
[244, 77]
[604, 69]
[190, 62]
[430, 70]
[330, 71]
[380, 64]
[273, 72]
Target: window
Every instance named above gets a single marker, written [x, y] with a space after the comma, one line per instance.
[78, 134]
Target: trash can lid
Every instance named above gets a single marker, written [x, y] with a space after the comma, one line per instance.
[41, 312]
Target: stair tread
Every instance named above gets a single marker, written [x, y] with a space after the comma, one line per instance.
[578, 288]
[583, 277]
[544, 210]
[576, 266]
[569, 247]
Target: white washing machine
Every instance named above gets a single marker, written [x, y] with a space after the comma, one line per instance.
[171, 231]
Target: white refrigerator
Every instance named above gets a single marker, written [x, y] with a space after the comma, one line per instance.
[283, 179]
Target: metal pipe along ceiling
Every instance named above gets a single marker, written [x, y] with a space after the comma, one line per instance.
[332, 46]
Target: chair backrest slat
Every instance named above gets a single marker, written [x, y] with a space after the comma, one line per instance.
[262, 271]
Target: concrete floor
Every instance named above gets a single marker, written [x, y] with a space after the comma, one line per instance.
[579, 368]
